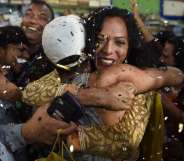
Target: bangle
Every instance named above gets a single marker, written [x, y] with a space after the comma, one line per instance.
[60, 90]
[81, 135]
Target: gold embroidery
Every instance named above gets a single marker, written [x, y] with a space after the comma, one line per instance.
[119, 141]
[43, 90]
[122, 139]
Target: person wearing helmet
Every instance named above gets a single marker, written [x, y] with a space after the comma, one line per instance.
[63, 41]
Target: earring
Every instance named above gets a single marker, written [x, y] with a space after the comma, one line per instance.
[125, 61]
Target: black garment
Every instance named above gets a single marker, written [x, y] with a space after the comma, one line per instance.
[174, 145]
[36, 67]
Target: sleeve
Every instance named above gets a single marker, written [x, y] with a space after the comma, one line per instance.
[10, 136]
[122, 139]
[42, 90]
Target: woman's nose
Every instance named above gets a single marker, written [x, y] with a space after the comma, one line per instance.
[108, 48]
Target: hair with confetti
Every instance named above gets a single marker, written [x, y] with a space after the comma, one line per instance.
[163, 36]
[178, 53]
[12, 35]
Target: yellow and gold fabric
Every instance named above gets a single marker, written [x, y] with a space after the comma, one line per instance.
[42, 90]
[152, 143]
[123, 139]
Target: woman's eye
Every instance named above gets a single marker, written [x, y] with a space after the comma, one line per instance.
[43, 18]
[120, 42]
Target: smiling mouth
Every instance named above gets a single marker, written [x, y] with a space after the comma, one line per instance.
[106, 62]
[31, 28]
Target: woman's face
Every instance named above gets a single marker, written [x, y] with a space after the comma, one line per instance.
[167, 56]
[112, 43]
[16, 55]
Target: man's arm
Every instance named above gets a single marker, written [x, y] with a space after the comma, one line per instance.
[115, 97]
[146, 33]
[42, 128]
[143, 80]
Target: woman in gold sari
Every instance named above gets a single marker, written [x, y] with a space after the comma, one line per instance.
[115, 40]
[117, 135]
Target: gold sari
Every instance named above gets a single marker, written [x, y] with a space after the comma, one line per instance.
[122, 140]
[140, 128]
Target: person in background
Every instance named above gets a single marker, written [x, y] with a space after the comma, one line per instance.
[37, 15]
[172, 99]
[170, 49]
[13, 54]
[147, 35]
[172, 54]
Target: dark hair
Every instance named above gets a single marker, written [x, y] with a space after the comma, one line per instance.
[13, 35]
[178, 43]
[137, 55]
[163, 36]
[42, 2]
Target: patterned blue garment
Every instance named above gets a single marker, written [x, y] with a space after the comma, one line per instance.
[12, 145]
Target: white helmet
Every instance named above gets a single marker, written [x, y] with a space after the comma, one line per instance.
[64, 37]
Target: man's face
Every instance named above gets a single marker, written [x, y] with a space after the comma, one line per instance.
[14, 54]
[167, 56]
[34, 21]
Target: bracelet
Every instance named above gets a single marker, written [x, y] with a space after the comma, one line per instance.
[60, 90]
[81, 139]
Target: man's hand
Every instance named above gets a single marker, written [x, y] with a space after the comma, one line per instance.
[116, 97]
[42, 128]
[134, 7]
